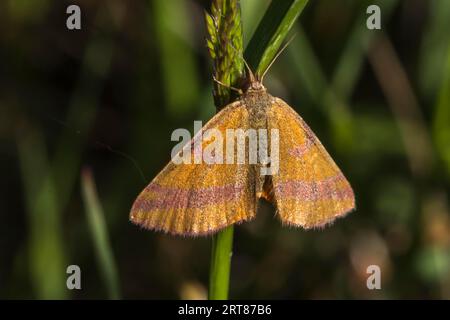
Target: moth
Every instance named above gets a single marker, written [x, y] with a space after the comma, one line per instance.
[308, 189]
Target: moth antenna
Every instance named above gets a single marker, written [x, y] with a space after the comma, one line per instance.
[249, 71]
[239, 91]
[277, 55]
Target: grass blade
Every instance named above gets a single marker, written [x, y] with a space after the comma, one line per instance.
[225, 45]
[221, 253]
[271, 32]
[47, 260]
[97, 225]
[224, 27]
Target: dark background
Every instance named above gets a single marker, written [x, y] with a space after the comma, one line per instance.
[107, 97]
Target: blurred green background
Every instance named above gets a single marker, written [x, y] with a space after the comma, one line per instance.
[85, 123]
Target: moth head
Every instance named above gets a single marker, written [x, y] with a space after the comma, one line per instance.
[256, 85]
[254, 82]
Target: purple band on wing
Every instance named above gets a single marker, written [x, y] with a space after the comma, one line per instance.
[315, 190]
[176, 198]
